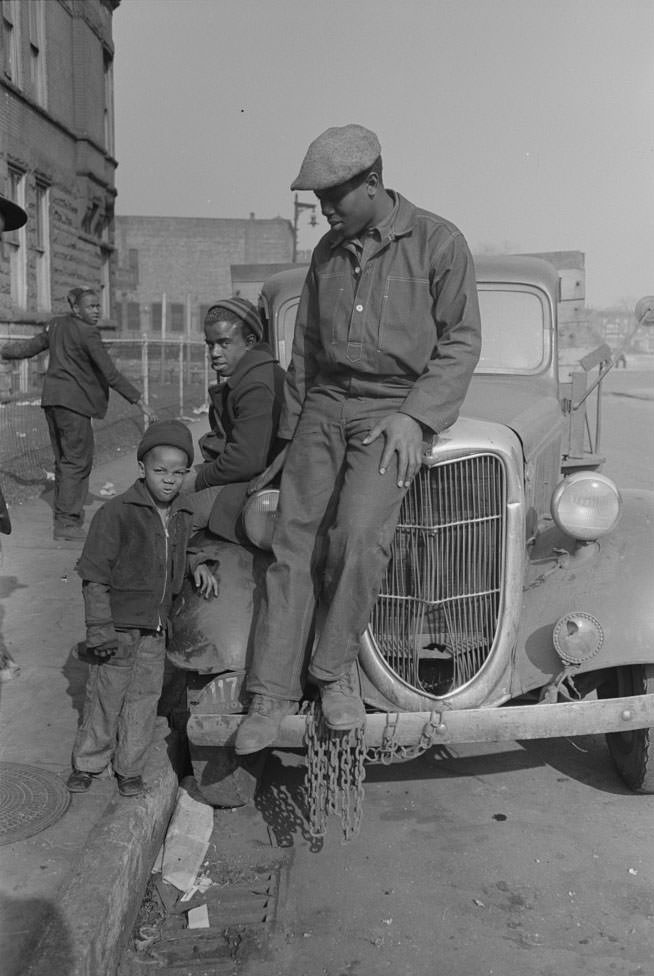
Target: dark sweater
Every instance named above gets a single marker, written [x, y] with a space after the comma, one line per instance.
[245, 408]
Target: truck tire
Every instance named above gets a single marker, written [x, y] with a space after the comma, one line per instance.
[224, 779]
[632, 752]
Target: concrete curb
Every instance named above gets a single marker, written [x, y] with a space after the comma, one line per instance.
[98, 904]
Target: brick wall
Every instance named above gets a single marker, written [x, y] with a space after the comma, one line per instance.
[189, 259]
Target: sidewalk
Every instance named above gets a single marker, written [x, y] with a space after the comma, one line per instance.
[72, 887]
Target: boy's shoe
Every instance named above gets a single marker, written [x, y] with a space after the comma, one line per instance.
[79, 781]
[69, 533]
[130, 785]
[341, 703]
[261, 725]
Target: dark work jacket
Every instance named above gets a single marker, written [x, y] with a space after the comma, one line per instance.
[245, 411]
[80, 370]
[141, 564]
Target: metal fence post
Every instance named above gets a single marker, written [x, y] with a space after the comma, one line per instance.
[180, 360]
[145, 371]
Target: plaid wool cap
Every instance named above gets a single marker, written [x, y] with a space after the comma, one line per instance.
[336, 156]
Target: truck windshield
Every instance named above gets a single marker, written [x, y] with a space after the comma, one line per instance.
[515, 334]
[515, 337]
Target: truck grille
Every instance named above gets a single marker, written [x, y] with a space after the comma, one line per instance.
[438, 610]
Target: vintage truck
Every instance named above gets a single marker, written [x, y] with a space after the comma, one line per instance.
[517, 601]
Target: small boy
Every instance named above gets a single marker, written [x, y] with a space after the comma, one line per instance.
[133, 564]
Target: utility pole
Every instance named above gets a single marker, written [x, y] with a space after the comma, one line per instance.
[298, 205]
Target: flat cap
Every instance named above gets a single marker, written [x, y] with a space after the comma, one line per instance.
[336, 156]
[14, 216]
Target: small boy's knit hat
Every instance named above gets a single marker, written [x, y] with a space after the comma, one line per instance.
[168, 433]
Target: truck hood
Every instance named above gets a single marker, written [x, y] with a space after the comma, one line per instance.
[526, 404]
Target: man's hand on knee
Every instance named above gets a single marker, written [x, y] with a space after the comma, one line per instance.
[403, 437]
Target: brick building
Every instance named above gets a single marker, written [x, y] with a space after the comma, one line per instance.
[171, 269]
[56, 152]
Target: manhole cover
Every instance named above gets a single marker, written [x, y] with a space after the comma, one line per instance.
[31, 799]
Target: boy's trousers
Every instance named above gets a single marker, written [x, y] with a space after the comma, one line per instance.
[331, 543]
[120, 710]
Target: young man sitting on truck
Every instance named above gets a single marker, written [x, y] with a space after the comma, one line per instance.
[386, 340]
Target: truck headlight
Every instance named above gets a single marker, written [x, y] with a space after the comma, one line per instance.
[259, 514]
[586, 505]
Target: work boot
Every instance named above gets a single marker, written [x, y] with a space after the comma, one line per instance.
[130, 785]
[261, 725]
[69, 533]
[341, 703]
[79, 781]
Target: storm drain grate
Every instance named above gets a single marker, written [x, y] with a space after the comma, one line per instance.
[31, 799]
[242, 915]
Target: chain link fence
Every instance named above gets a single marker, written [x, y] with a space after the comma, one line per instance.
[173, 375]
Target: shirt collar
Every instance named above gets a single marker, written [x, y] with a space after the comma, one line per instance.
[397, 222]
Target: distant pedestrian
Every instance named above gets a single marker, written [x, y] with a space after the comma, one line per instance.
[76, 388]
[133, 564]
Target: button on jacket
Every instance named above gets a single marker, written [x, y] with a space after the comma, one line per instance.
[396, 318]
[128, 551]
[80, 371]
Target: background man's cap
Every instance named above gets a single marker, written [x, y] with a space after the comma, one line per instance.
[336, 156]
[166, 433]
[14, 216]
[241, 307]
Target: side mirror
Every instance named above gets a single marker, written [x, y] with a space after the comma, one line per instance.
[644, 311]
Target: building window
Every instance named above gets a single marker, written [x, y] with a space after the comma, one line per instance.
[16, 241]
[133, 317]
[109, 103]
[42, 247]
[105, 283]
[156, 316]
[202, 316]
[11, 40]
[37, 51]
[176, 317]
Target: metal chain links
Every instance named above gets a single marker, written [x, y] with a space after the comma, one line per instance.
[336, 766]
[335, 773]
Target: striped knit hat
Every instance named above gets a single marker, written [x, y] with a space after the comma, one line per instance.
[241, 308]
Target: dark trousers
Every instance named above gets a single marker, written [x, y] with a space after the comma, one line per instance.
[71, 436]
[120, 711]
[331, 543]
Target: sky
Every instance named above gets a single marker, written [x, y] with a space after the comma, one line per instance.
[528, 123]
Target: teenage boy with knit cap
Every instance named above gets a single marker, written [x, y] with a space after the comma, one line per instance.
[76, 388]
[244, 412]
[133, 564]
[386, 340]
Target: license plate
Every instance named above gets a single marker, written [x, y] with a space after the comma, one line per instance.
[223, 694]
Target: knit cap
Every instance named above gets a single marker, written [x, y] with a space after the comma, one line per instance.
[166, 433]
[242, 308]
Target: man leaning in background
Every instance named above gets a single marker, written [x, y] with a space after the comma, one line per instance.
[76, 388]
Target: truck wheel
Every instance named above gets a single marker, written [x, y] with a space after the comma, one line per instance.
[224, 779]
[632, 752]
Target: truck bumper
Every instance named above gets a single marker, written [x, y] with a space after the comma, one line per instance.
[538, 721]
